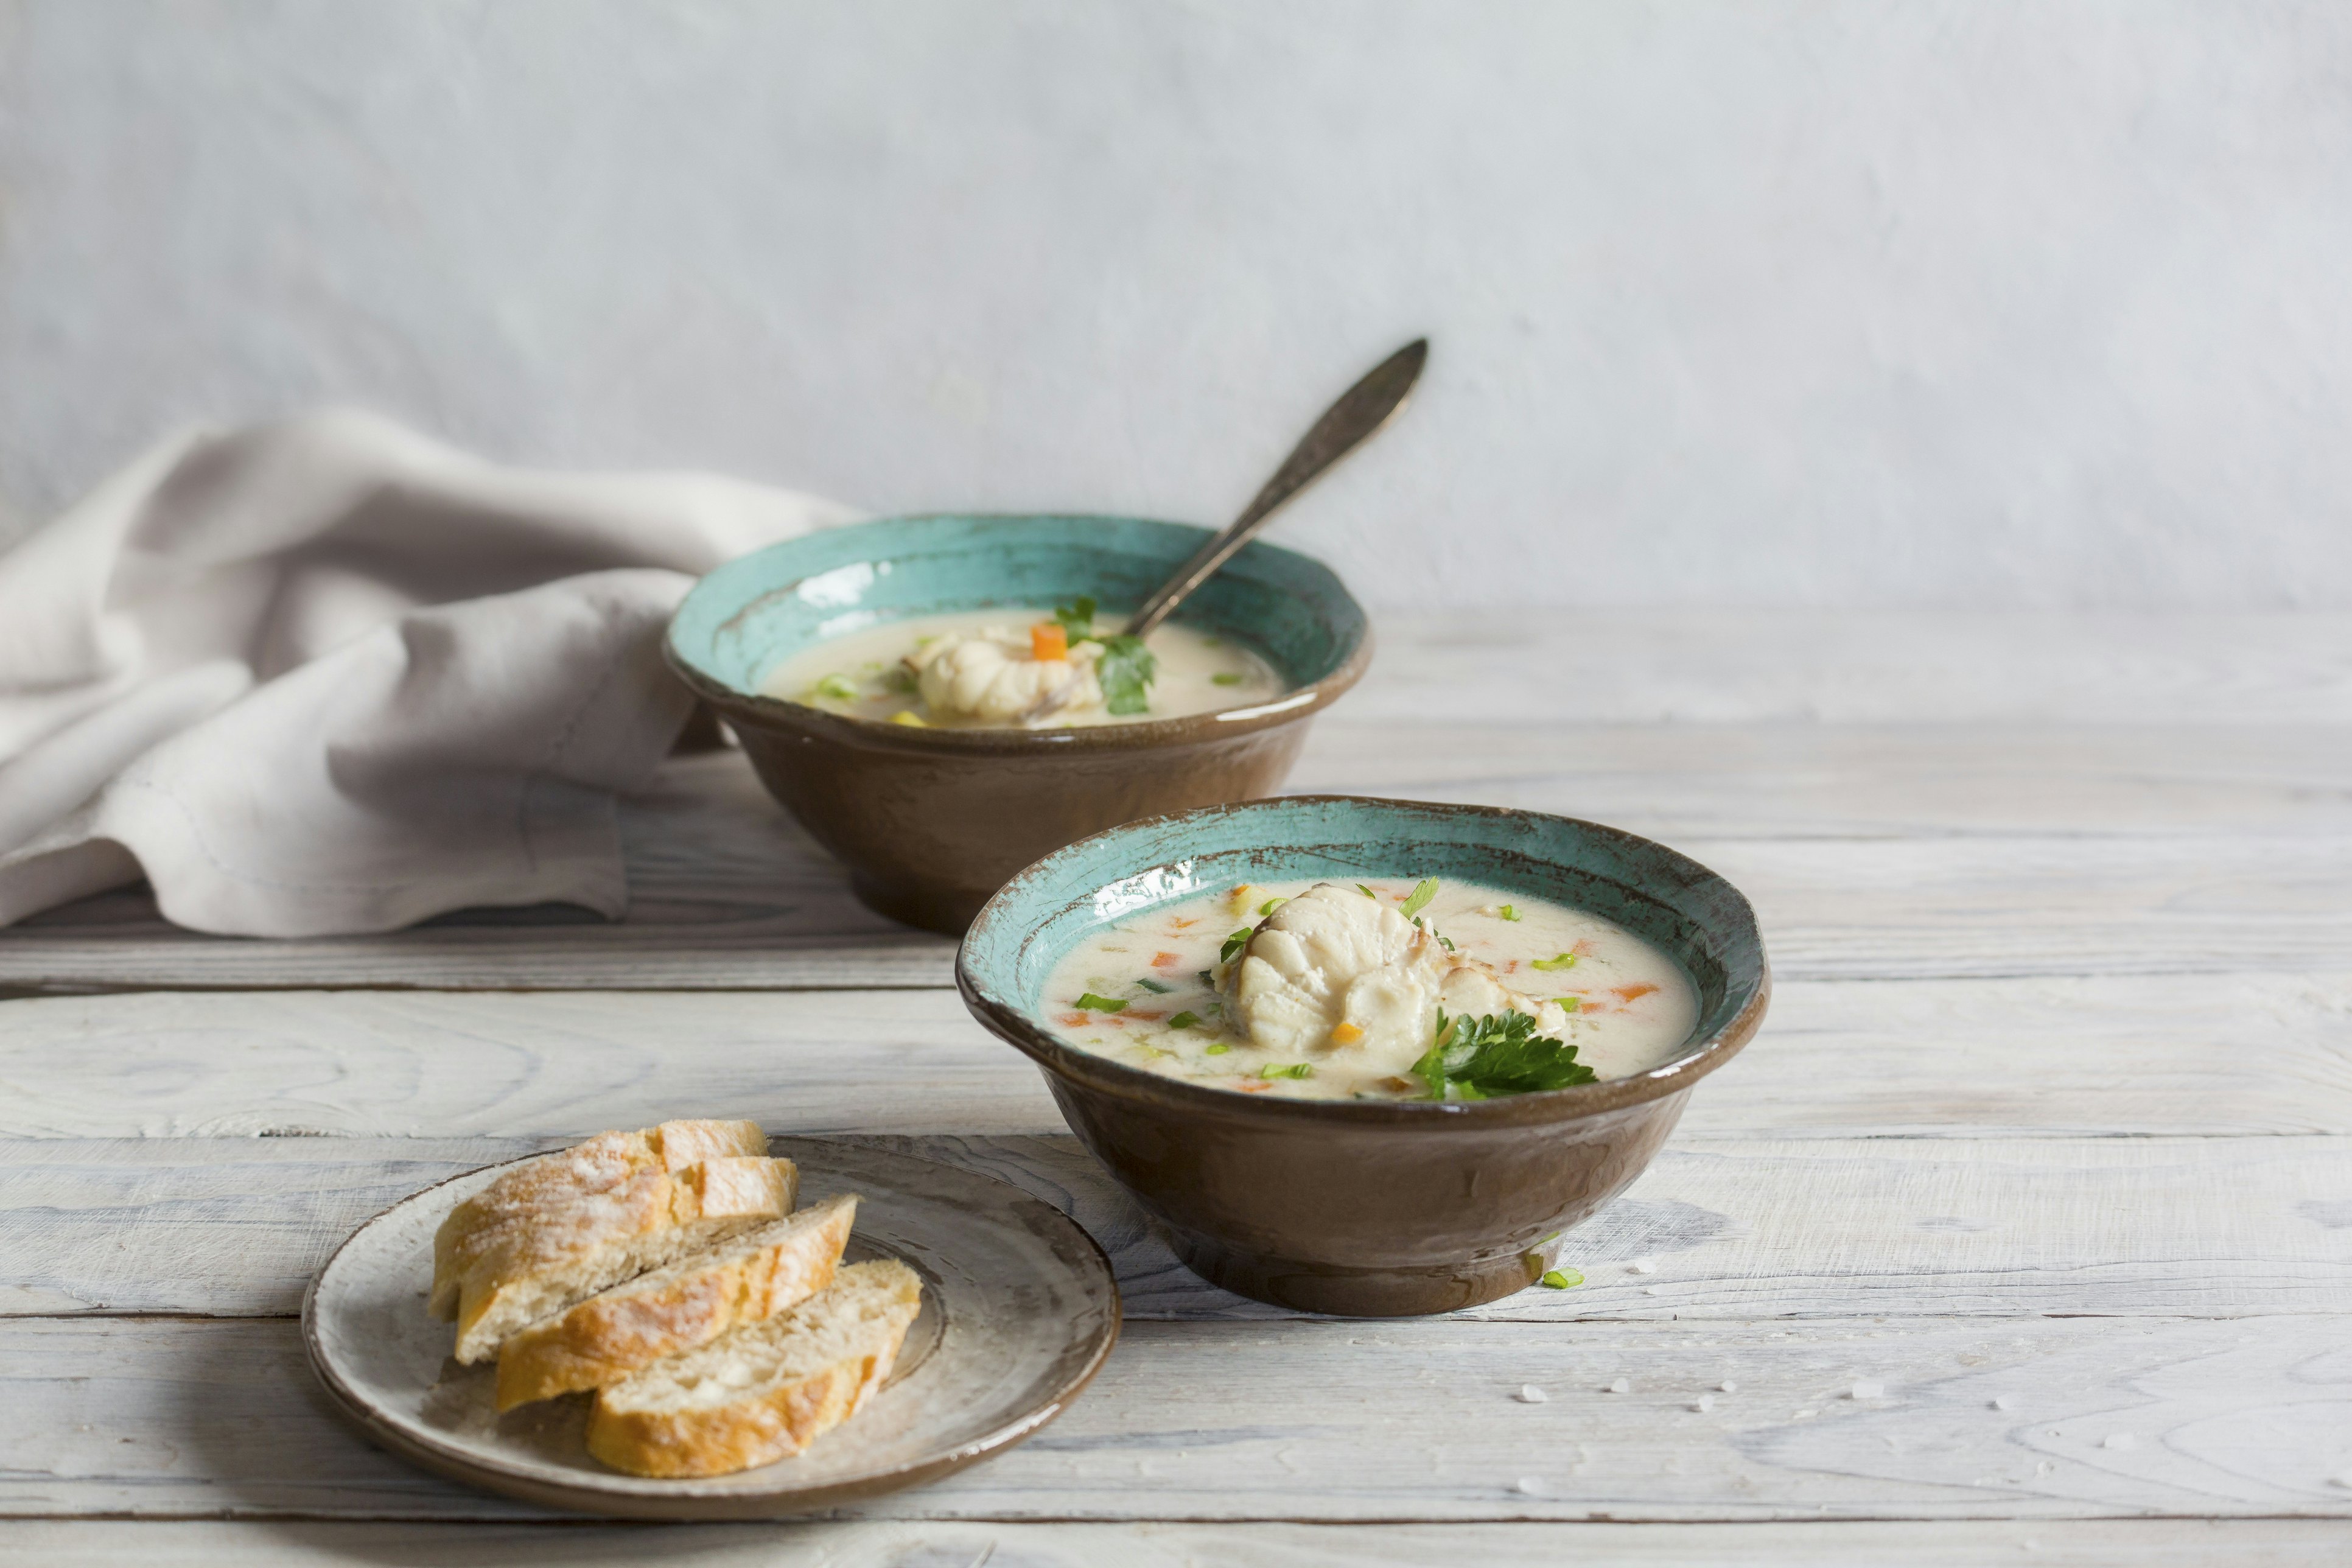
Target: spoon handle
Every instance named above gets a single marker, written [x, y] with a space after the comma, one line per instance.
[1361, 409]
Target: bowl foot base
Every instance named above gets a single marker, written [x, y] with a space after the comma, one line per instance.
[1311, 1287]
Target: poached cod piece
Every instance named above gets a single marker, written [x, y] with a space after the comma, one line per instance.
[1335, 969]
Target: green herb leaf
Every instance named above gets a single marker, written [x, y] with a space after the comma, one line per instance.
[1564, 961]
[840, 687]
[1206, 977]
[1224, 678]
[1126, 669]
[1563, 1279]
[1155, 987]
[1234, 944]
[1077, 619]
[1271, 905]
[1101, 1004]
[1295, 1070]
[1214, 1050]
[1478, 1059]
[1508, 912]
[1185, 1020]
[1421, 897]
[1366, 891]
[1449, 945]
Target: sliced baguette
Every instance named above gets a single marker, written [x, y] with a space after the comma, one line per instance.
[762, 1390]
[601, 1165]
[553, 1233]
[687, 1303]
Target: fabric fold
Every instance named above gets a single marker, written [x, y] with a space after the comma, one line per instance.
[326, 675]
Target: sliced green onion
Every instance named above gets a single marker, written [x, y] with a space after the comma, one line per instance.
[1234, 944]
[1562, 1279]
[840, 687]
[1564, 961]
[1224, 680]
[1093, 1003]
[1271, 905]
[1155, 987]
[1508, 912]
[1214, 1050]
[1295, 1070]
[1185, 1020]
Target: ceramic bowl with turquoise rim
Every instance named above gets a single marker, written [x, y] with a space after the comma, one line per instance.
[930, 822]
[1366, 1208]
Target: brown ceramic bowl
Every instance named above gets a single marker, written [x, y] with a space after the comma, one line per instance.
[932, 822]
[1362, 1207]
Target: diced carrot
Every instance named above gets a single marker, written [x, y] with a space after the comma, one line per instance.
[1631, 992]
[1146, 1017]
[1345, 1034]
[1072, 1020]
[1253, 1085]
[1183, 925]
[1048, 641]
[1166, 959]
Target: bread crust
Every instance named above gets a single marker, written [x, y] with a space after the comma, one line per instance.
[765, 1423]
[609, 1164]
[687, 1304]
[590, 1218]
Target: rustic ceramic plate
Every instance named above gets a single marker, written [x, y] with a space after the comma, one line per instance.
[1019, 1311]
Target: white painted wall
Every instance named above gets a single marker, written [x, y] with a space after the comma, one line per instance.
[1906, 301]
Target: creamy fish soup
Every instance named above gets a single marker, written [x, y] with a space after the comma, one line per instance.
[1377, 989]
[1022, 669]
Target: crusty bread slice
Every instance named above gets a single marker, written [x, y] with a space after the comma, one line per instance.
[604, 1165]
[762, 1390]
[687, 1303]
[525, 1272]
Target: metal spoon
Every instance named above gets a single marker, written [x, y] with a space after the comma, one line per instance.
[1361, 409]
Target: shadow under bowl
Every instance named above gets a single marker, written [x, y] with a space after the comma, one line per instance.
[1366, 1208]
[931, 821]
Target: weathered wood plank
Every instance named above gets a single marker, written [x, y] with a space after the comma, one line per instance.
[1936, 1418]
[2158, 1054]
[1846, 666]
[955, 1543]
[1800, 781]
[1748, 1230]
[728, 893]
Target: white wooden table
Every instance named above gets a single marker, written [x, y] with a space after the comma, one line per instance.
[2023, 1230]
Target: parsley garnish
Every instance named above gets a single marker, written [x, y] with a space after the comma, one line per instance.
[1480, 1058]
[1206, 978]
[1421, 897]
[1154, 987]
[1100, 1003]
[1125, 669]
[1449, 946]
[1234, 944]
[1295, 1070]
[1185, 1020]
[1078, 619]
[1564, 961]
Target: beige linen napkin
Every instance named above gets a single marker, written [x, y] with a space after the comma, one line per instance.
[326, 675]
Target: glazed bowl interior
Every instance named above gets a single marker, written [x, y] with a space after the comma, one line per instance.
[1674, 903]
[749, 615]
